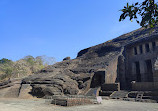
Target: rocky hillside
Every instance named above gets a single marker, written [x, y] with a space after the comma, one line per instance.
[74, 76]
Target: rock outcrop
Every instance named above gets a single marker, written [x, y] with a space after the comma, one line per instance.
[66, 58]
[74, 76]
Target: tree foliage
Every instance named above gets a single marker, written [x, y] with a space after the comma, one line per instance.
[45, 60]
[30, 60]
[4, 61]
[23, 67]
[146, 10]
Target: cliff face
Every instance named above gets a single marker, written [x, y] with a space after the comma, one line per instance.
[75, 76]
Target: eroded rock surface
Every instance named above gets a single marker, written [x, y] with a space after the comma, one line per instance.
[73, 76]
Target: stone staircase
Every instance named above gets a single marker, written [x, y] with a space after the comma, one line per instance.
[119, 94]
[93, 91]
[139, 96]
[143, 96]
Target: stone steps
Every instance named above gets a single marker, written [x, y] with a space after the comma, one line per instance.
[139, 96]
[119, 94]
[92, 91]
[105, 93]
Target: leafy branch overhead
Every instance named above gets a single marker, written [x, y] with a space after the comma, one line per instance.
[147, 11]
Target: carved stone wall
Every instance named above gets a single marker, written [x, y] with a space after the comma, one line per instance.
[140, 60]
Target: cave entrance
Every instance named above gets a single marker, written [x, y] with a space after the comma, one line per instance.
[98, 79]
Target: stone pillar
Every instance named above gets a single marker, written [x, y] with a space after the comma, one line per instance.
[142, 71]
[133, 71]
[121, 72]
[133, 53]
[156, 71]
[150, 46]
[156, 43]
[138, 50]
[144, 51]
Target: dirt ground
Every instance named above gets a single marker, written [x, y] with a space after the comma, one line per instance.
[107, 105]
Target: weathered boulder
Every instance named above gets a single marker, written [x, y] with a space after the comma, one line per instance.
[10, 88]
[66, 58]
[66, 82]
[24, 91]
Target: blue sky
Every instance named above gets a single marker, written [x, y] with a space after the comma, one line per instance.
[58, 28]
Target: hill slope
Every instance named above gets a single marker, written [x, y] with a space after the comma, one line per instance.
[74, 76]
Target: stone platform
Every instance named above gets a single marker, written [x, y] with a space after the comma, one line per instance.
[69, 100]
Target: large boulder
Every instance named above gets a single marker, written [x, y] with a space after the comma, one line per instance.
[65, 82]
[66, 58]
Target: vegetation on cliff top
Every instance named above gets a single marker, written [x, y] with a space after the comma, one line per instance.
[23, 67]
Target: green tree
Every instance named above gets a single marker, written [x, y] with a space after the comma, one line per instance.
[30, 59]
[6, 68]
[4, 61]
[145, 13]
[23, 67]
[45, 60]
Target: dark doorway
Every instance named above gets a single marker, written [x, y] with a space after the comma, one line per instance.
[154, 45]
[98, 79]
[135, 50]
[141, 49]
[149, 70]
[147, 47]
[138, 75]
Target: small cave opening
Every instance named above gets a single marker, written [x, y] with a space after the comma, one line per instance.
[98, 79]
[37, 92]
